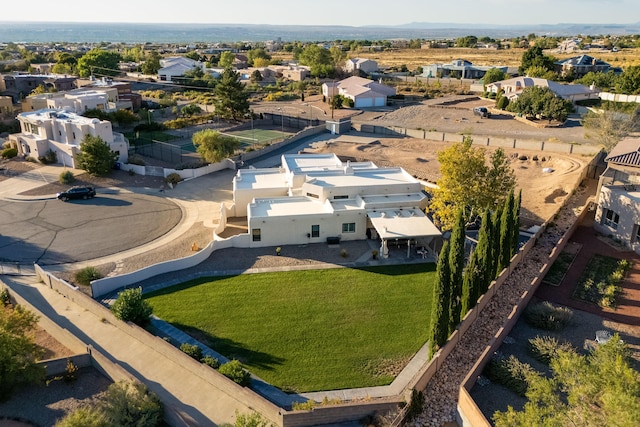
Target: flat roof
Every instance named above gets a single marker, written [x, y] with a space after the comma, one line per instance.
[362, 178]
[402, 223]
[247, 179]
[287, 207]
[298, 163]
[377, 200]
[346, 205]
[55, 114]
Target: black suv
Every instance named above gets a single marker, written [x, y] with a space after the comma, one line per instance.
[482, 112]
[77, 193]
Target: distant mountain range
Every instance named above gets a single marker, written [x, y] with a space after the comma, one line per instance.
[43, 32]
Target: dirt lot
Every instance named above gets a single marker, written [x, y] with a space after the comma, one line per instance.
[541, 192]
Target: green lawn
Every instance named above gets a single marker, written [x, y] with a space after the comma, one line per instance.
[309, 330]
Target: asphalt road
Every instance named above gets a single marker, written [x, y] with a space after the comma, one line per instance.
[53, 232]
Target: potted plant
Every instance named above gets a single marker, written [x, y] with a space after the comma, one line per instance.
[374, 254]
[278, 250]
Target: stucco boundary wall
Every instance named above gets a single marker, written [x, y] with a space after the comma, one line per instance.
[489, 141]
[424, 375]
[245, 396]
[468, 412]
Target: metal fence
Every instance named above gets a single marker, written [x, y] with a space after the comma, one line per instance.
[166, 152]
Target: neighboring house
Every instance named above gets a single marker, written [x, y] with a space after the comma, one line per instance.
[6, 107]
[123, 97]
[363, 92]
[578, 66]
[62, 132]
[367, 66]
[77, 101]
[618, 210]
[19, 86]
[316, 198]
[512, 88]
[176, 67]
[294, 72]
[569, 45]
[458, 69]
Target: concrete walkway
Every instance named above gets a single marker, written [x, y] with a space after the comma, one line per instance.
[198, 401]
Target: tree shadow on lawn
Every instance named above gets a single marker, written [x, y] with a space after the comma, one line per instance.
[232, 349]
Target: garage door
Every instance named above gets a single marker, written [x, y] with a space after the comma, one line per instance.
[364, 102]
[380, 102]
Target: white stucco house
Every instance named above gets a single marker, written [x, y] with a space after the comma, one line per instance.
[365, 65]
[316, 198]
[77, 101]
[176, 66]
[62, 132]
[618, 209]
[512, 88]
[364, 92]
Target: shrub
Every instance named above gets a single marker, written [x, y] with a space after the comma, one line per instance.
[234, 371]
[50, 157]
[136, 160]
[5, 297]
[191, 350]
[132, 404]
[9, 153]
[70, 372]
[84, 417]
[211, 361]
[547, 316]
[130, 307]
[66, 177]
[86, 275]
[173, 179]
[510, 372]
[543, 349]
[343, 253]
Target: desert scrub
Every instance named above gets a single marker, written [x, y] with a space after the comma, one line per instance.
[547, 316]
[85, 276]
[510, 372]
[543, 349]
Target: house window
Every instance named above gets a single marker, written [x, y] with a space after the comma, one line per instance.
[349, 227]
[340, 197]
[315, 196]
[255, 234]
[74, 136]
[611, 219]
[636, 235]
[315, 231]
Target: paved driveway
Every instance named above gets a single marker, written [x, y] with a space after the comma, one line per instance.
[53, 232]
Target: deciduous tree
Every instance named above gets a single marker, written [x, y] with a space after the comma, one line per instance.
[494, 75]
[214, 147]
[608, 127]
[467, 182]
[99, 62]
[18, 350]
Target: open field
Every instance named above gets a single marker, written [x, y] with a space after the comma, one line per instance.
[309, 330]
[414, 58]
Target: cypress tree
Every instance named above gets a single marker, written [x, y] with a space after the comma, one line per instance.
[515, 223]
[483, 249]
[470, 281]
[456, 264]
[438, 333]
[506, 234]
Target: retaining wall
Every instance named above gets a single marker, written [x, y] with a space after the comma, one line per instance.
[468, 412]
[489, 141]
[241, 394]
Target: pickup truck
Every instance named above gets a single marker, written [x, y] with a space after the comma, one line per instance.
[482, 112]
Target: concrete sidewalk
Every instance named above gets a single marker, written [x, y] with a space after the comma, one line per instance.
[198, 401]
[12, 187]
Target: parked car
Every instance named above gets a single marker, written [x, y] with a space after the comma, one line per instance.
[78, 192]
[482, 112]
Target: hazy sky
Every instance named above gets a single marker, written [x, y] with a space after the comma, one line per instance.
[328, 12]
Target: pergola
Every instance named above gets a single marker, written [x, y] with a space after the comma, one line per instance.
[403, 224]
